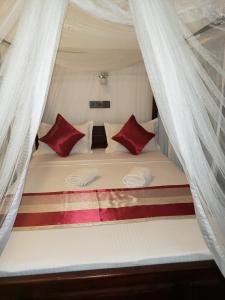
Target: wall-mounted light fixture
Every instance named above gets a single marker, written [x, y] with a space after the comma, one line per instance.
[103, 77]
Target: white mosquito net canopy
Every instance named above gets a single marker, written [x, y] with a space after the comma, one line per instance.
[182, 45]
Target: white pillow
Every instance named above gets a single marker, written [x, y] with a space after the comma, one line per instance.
[82, 146]
[111, 129]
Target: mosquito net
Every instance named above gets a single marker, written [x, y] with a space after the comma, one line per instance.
[182, 44]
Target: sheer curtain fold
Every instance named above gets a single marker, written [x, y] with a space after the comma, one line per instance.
[188, 105]
[197, 10]
[110, 10]
[26, 74]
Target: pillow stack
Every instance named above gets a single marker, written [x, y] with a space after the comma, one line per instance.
[64, 139]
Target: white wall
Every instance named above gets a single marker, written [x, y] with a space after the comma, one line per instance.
[128, 91]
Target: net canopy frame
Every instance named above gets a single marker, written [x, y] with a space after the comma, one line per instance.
[184, 57]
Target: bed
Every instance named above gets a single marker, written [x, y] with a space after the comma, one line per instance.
[157, 256]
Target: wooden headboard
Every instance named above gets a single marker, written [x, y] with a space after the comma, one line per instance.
[99, 137]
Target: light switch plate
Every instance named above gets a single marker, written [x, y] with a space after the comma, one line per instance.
[99, 104]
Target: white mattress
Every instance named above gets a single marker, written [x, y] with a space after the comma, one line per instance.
[47, 172]
[105, 246]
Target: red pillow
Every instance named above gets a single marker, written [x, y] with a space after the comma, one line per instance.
[62, 136]
[133, 136]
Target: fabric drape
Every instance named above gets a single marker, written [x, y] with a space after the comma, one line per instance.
[114, 11]
[26, 73]
[180, 84]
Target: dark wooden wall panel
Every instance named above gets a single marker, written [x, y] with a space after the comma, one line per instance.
[99, 137]
[154, 109]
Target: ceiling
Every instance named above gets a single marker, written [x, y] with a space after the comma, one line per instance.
[91, 44]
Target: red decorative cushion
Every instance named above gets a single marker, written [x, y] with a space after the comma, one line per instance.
[62, 136]
[133, 136]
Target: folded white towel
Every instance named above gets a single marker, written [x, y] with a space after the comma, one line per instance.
[81, 177]
[137, 177]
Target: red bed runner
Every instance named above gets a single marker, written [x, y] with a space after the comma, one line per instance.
[57, 209]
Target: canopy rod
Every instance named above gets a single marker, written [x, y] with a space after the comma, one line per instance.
[216, 23]
[4, 41]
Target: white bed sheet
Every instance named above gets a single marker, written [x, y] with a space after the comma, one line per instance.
[105, 246]
[47, 172]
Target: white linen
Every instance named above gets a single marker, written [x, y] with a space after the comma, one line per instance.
[84, 248]
[82, 177]
[82, 146]
[137, 177]
[98, 156]
[107, 246]
[47, 172]
[113, 128]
